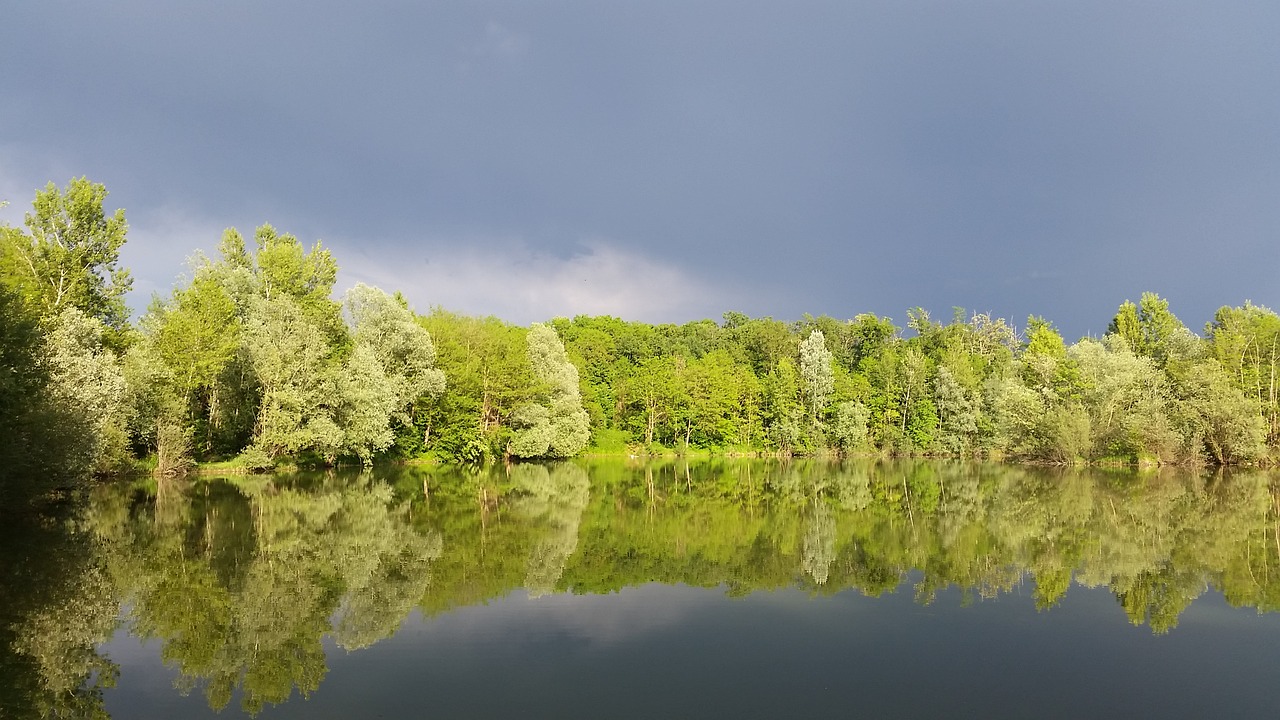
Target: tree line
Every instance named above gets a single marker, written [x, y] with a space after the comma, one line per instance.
[252, 360]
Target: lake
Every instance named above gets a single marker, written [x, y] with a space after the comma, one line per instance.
[606, 588]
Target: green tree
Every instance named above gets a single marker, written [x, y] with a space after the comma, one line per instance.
[958, 410]
[1148, 327]
[849, 428]
[918, 414]
[719, 394]
[1038, 411]
[367, 400]
[489, 377]
[46, 444]
[1126, 397]
[655, 389]
[1245, 340]
[70, 255]
[292, 362]
[403, 347]
[194, 338]
[85, 378]
[284, 267]
[565, 425]
[1220, 416]
[782, 410]
[390, 371]
[815, 369]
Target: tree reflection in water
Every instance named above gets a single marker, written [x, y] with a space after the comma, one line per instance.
[241, 579]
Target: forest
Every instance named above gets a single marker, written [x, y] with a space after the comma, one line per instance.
[252, 362]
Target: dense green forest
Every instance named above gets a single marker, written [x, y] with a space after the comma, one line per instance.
[251, 360]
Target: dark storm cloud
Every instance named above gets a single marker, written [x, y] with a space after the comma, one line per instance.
[835, 158]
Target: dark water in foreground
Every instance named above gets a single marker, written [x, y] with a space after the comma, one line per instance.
[604, 589]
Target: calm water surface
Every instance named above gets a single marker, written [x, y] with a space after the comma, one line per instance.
[610, 589]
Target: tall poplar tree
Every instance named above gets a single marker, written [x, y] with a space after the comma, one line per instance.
[815, 368]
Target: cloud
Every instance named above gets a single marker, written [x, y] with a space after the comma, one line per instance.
[19, 182]
[161, 242]
[500, 41]
[158, 244]
[520, 284]
[598, 620]
[14, 194]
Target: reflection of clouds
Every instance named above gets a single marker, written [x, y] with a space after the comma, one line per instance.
[594, 619]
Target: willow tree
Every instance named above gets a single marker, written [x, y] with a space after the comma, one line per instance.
[86, 380]
[557, 426]
[45, 443]
[1127, 399]
[390, 369]
[404, 349]
[1036, 410]
[290, 357]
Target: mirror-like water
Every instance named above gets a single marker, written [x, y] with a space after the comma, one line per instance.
[611, 589]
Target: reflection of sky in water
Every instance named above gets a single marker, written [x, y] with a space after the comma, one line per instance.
[677, 651]
[293, 561]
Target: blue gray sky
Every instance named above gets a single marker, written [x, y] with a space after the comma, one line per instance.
[669, 161]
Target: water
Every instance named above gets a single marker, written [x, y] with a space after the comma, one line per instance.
[713, 589]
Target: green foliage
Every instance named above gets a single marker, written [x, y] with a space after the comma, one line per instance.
[558, 426]
[48, 441]
[70, 255]
[253, 354]
[1148, 328]
[402, 347]
[245, 584]
[367, 400]
[815, 368]
[782, 410]
[390, 370]
[1246, 342]
[60, 608]
[285, 268]
[849, 429]
[957, 408]
[197, 334]
[489, 377]
[291, 358]
[1043, 339]
[86, 380]
[1127, 399]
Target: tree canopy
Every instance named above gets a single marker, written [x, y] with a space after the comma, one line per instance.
[254, 359]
